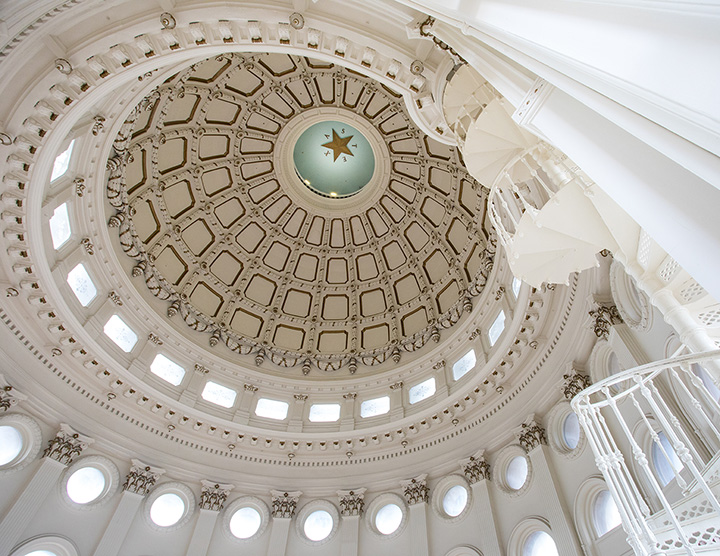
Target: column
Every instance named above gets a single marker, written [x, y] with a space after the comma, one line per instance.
[212, 500]
[283, 509]
[190, 394]
[347, 412]
[397, 410]
[138, 483]
[242, 413]
[297, 411]
[532, 437]
[477, 471]
[416, 495]
[352, 505]
[60, 453]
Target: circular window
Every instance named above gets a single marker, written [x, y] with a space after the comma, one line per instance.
[41, 553]
[318, 525]
[245, 518]
[86, 485]
[605, 513]
[169, 506]
[386, 516]
[455, 500]
[51, 545]
[20, 441]
[11, 443]
[571, 431]
[516, 472]
[388, 519]
[540, 543]
[245, 522]
[167, 509]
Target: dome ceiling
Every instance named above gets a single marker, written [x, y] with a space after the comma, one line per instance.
[207, 196]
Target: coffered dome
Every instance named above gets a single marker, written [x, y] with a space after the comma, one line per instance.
[292, 210]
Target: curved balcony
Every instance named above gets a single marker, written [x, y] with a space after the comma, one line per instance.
[655, 434]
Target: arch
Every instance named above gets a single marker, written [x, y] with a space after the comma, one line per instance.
[61, 546]
[464, 550]
[522, 531]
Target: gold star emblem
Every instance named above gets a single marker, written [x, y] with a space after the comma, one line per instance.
[339, 145]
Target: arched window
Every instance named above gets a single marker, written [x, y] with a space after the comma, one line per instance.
[605, 513]
[532, 537]
[539, 543]
[665, 460]
[597, 519]
[46, 546]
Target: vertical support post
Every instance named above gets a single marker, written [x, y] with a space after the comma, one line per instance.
[61, 451]
[138, 483]
[352, 506]
[477, 471]
[283, 509]
[212, 500]
[416, 495]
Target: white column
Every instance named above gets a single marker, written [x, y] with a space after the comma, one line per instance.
[212, 500]
[60, 453]
[477, 471]
[283, 509]
[138, 483]
[397, 409]
[416, 494]
[532, 437]
[352, 505]
[242, 413]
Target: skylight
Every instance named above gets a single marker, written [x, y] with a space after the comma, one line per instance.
[82, 286]
[376, 406]
[219, 394]
[62, 162]
[324, 412]
[60, 226]
[120, 333]
[497, 328]
[464, 364]
[272, 409]
[422, 391]
[167, 370]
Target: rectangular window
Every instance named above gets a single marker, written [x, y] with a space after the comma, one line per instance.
[60, 226]
[120, 333]
[377, 406]
[82, 286]
[496, 328]
[516, 283]
[62, 162]
[324, 412]
[219, 394]
[167, 370]
[422, 391]
[464, 364]
[272, 409]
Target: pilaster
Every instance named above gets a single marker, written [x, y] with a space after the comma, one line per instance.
[283, 509]
[212, 500]
[477, 471]
[416, 495]
[352, 506]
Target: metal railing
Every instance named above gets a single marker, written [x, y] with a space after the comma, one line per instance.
[666, 398]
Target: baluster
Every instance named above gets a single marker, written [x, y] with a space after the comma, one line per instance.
[698, 384]
[642, 461]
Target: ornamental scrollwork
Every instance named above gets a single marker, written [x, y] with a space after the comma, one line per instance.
[8, 395]
[605, 317]
[574, 383]
[284, 503]
[141, 478]
[214, 495]
[66, 445]
[531, 434]
[352, 502]
[416, 490]
[475, 469]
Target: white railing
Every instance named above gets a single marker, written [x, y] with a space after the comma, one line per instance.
[623, 417]
[525, 185]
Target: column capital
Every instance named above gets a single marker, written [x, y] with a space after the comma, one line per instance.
[214, 495]
[67, 445]
[141, 478]
[574, 382]
[605, 315]
[475, 468]
[8, 395]
[531, 433]
[352, 502]
[284, 503]
[415, 490]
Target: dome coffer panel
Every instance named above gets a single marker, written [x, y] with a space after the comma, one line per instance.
[217, 229]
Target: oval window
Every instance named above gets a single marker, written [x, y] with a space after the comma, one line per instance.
[455, 500]
[517, 471]
[245, 522]
[388, 519]
[318, 525]
[167, 509]
[11, 444]
[86, 485]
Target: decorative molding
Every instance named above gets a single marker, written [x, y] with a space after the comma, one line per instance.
[66, 445]
[214, 495]
[531, 434]
[141, 478]
[574, 382]
[415, 490]
[9, 397]
[352, 502]
[475, 468]
[425, 29]
[605, 316]
[284, 503]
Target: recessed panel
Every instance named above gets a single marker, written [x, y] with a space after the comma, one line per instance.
[250, 237]
[261, 290]
[171, 265]
[372, 303]
[246, 323]
[198, 237]
[297, 303]
[229, 212]
[337, 271]
[375, 336]
[178, 198]
[406, 289]
[226, 268]
[332, 341]
[289, 337]
[206, 299]
[335, 307]
[215, 181]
